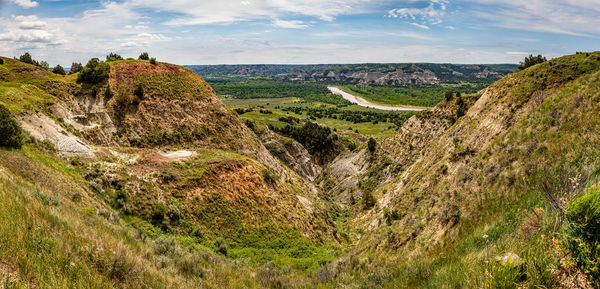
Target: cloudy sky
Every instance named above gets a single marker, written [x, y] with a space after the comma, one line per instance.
[299, 31]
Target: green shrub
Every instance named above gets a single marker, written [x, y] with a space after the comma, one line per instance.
[368, 199]
[449, 95]
[11, 134]
[582, 233]
[94, 72]
[108, 93]
[1, 61]
[26, 58]
[270, 176]
[144, 56]
[75, 67]
[221, 246]
[153, 61]
[371, 144]
[461, 107]
[113, 57]
[138, 93]
[531, 61]
[59, 70]
[158, 213]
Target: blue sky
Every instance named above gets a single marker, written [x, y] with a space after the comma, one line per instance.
[294, 31]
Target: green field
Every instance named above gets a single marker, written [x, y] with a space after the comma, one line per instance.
[277, 106]
[424, 95]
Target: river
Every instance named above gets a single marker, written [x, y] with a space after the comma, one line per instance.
[363, 102]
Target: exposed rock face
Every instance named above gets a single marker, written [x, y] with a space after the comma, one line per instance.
[42, 127]
[291, 153]
[368, 78]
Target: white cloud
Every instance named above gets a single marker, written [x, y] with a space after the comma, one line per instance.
[571, 17]
[292, 24]
[430, 15]
[229, 11]
[26, 3]
[423, 26]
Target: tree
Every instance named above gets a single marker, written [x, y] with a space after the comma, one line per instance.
[94, 72]
[449, 95]
[45, 65]
[531, 61]
[113, 57]
[372, 144]
[11, 134]
[26, 58]
[76, 67]
[59, 70]
[144, 56]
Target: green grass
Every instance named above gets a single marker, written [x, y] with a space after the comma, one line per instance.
[277, 104]
[423, 95]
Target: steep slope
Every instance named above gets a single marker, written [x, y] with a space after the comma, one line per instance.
[226, 184]
[529, 127]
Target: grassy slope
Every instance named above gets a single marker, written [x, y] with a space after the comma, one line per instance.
[497, 190]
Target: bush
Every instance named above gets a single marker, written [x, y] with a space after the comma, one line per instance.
[44, 65]
[1, 61]
[11, 134]
[221, 246]
[95, 71]
[368, 200]
[75, 67]
[372, 144]
[144, 56]
[153, 60]
[158, 214]
[461, 107]
[113, 57]
[449, 95]
[26, 58]
[531, 61]
[108, 93]
[59, 70]
[582, 233]
[269, 176]
[138, 93]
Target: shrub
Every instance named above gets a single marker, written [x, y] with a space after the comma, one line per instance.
[138, 93]
[26, 58]
[531, 61]
[221, 246]
[269, 176]
[59, 70]
[108, 93]
[113, 57]
[372, 144]
[11, 134]
[1, 61]
[449, 95]
[158, 213]
[44, 65]
[75, 67]
[94, 72]
[582, 233]
[165, 246]
[461, 107]
[144, 56]
[153, 60]
[368, 199]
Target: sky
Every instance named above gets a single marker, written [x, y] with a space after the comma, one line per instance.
[299, 31]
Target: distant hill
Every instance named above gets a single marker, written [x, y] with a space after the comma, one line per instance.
[371, 74]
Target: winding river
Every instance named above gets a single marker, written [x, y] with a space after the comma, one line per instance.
[363, 102]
